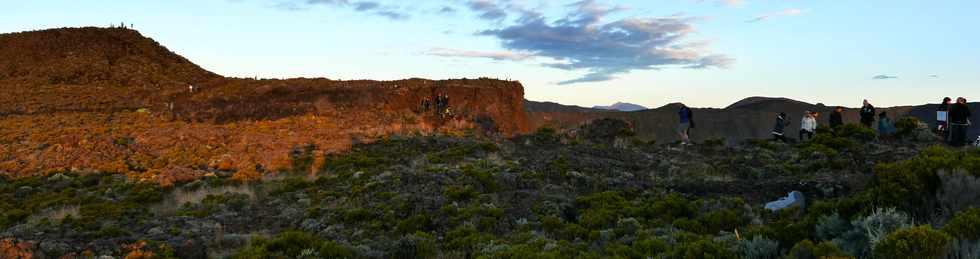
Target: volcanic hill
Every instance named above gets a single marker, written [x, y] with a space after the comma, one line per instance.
[110, 99]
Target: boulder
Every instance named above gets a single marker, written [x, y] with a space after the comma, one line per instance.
[795, 198]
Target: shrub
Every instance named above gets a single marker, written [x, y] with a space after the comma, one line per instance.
[959, 190]
[831, 226]
[294, 244]
[806, 249]
[291, 184]
[418, 245]
[673, 206]
[302, 158]
[759, 248]
[12, 217]
[912, 184]
[715, 142]
[882, 222]
[855, 131]
[700, 249]
[965, 225]
[906, 126]
[917, 242]
[145, 193]
[601, 210]
[414, 223]
[964, 249]
[460, 193]
[715, 221]
[649, 247]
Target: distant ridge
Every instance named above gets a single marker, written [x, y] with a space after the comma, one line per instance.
[749, 118]
[621, 106]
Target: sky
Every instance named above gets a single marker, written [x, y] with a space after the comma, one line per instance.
[705, 53]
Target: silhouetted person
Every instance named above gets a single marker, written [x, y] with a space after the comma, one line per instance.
[685, 123]
[942, 119]
[779, 130]
[808, 126]
[426, 104]
[886, 128]
[959, 122]
[837, 117]
[867, 114]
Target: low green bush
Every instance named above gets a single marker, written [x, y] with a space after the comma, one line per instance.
[906, 126]
[701, 249]
[806, 249]
[293, 244]
[759, 248]
[965, 225]
[920, 242]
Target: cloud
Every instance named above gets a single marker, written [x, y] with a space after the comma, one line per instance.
[447, 10]
[372, 7]
[581, 41]
[784, 13]
[488, 9]
[726, 2]
[884, 77]
[499, 55]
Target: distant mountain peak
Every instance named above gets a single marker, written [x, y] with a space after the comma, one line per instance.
[621, 106]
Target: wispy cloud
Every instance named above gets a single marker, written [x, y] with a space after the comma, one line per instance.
[583, 41]
[366, 6]
[495, 55]
[784, 13]
[884, 77]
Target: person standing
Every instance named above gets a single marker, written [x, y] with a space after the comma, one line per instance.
[808, 126]
[942, 119]
[685, 123]
[779, 130]
[886, 129]
[837, 117]
[959, 122]
[867, 114]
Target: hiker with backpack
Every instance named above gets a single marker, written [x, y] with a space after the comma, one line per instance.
[686, 122]
[942, 119]
[959, 122]
[778, 131]
[867, 114]
[808, 125]
[837, 117]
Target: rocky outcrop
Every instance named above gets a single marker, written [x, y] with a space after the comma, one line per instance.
[109, 99]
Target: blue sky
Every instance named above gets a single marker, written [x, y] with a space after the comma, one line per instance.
[706, 53]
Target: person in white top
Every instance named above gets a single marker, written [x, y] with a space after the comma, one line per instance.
[808, 126]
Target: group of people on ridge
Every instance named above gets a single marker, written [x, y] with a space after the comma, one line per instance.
[441, 104]
[953, 121]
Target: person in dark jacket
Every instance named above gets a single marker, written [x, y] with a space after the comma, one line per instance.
[942, 119]
[837, 117]
[959, 122]
[867, 114]
[685, 123]
[779, 130]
